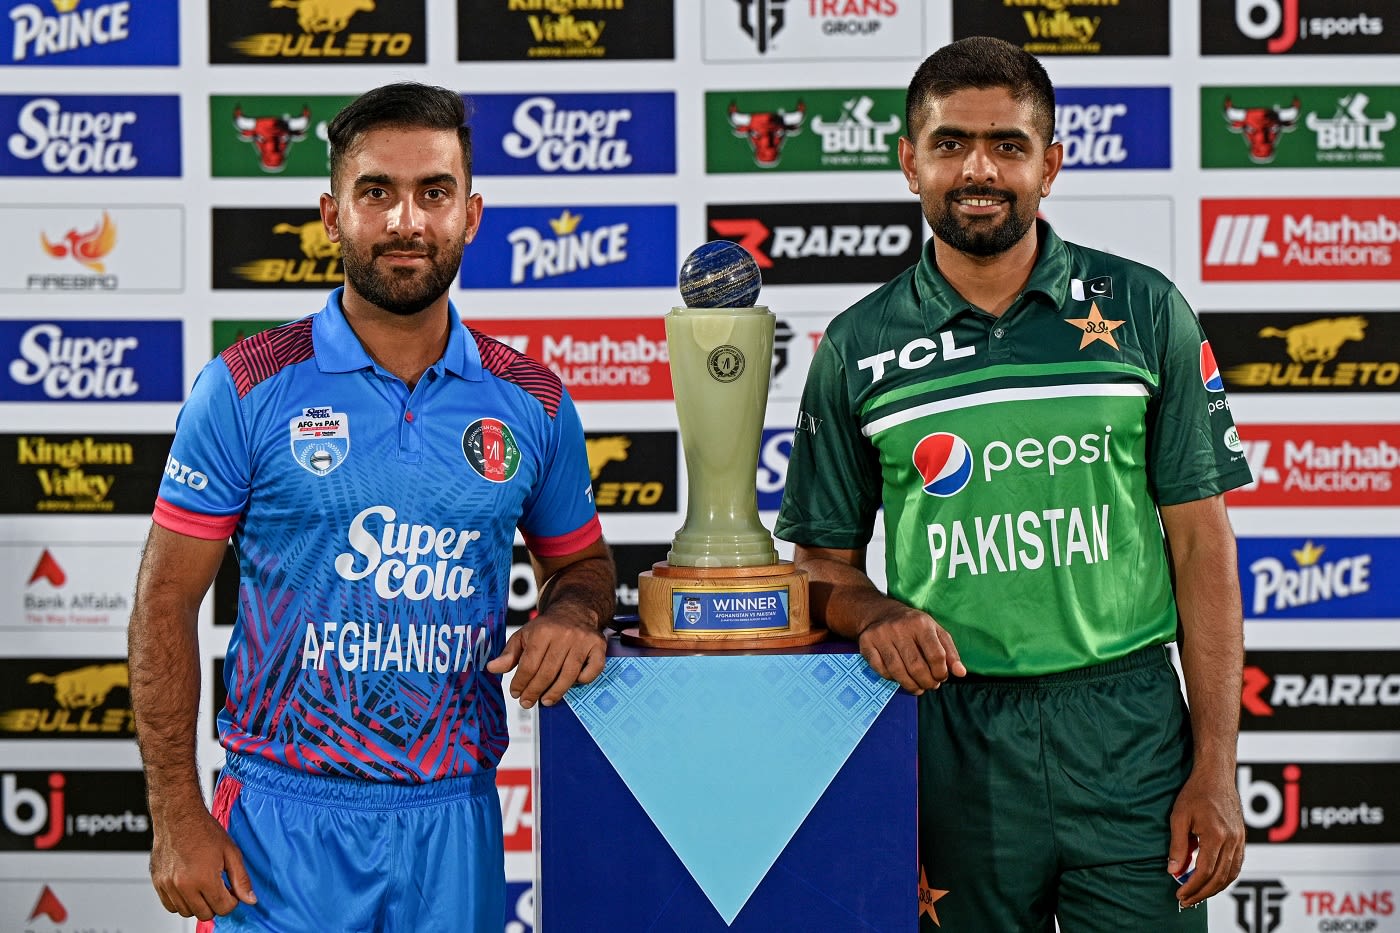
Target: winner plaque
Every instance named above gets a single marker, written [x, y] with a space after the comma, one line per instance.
[722, 585]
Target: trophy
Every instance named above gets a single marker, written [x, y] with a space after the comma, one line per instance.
[722, 585]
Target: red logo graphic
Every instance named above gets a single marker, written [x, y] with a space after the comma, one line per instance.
[87, 247]
[1252, 698]
[272, 136]
[49, 906]
[517, 808]
[1261, 126]
[767, 132]
[48, 569]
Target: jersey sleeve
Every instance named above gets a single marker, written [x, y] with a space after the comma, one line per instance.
[559, 516]
[205, 487]
[1194, 450]
[832, 493]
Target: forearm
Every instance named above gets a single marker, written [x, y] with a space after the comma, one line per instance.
[586, 587]
[163, 659]
[841, 595]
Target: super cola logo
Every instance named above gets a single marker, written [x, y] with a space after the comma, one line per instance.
[90, 135]
[574, 134]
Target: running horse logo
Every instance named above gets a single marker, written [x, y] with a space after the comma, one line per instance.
[604, 450]
[1319, 341]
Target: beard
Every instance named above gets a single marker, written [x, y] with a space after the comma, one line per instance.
[403, 292]
[979, 236]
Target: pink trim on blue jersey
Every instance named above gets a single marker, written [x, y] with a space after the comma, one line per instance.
[208, 527]
[264, 354]
[560, 545]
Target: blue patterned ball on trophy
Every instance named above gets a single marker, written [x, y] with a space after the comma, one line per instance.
[720, 274]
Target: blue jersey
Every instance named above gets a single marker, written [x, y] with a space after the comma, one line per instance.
[373, 527]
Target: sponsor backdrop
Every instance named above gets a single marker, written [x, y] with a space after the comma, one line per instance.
[159, 173]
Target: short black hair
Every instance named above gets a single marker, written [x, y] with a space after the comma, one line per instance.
[406, 104]
[983, 62]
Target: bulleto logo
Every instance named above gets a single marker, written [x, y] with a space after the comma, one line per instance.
[315, 31]
[273, 248]
[1300, 239]
[1299, 351]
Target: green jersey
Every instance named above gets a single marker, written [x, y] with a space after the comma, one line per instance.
[1019, 459]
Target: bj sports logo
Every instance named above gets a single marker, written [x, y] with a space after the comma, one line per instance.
[589, 246]
[91, 361]
[1114, 127]
[811, 30]
[85, 33]
[574, 134]
[833, 243]
[86, 136]
[1320, 578]
[1320, 465]
[1321, 691]
[1299, 240]
[1312, 803]
[599, 359]
[74, 811]
[1298, 27]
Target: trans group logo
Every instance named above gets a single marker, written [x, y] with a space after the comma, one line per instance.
[317, 32]
[92, 135]
[579, 246]
[1299, 239]
[853, 129]
[1335, 126]
[1323, 896]
[1114, 127]
[1298, 27]
[944, 461]
[811, 30]
[574, 134]
[86, 33]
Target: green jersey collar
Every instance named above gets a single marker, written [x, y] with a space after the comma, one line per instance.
[940, 302]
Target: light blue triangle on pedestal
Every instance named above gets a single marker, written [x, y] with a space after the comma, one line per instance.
[727, 754]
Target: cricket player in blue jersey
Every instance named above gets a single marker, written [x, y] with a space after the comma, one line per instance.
[371, 463]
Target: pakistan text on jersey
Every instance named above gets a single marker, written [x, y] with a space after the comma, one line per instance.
[372, 647]
[990, 545]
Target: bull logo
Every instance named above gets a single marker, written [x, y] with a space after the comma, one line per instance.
[84, 686]
[767, 132]
[1261, 127]
[604, 450]
[272, 136]
[87, 247]
[323, 15]
[315, 244]
[1319, 341]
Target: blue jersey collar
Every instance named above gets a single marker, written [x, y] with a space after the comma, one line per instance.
[338, 350]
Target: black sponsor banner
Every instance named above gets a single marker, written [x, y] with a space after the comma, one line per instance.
[317, 32]
[262, 247]
[1306, 351]
[1311, 803]
[633, 471]
[81, 474]
[226, 589]
[65, 698]
[1298, 27]
[1069, 27]
[812, 244]
[1322, 691]
[220, 695]
[631, 560]
[74, 811]
[571, 30]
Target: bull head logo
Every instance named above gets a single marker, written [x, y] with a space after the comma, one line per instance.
[1261, 126]
[272, 136]
[766, 132]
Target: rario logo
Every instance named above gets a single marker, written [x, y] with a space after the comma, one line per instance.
[805, 244]
[1299, 239]
[517, 808]
[1264, 694]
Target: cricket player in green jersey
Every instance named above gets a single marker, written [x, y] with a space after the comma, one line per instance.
[1046, 430]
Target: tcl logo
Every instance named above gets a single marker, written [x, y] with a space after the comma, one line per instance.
[517, 808]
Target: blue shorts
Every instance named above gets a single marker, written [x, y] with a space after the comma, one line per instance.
[330, 853]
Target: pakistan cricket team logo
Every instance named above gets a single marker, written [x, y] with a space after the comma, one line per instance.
[490, 448]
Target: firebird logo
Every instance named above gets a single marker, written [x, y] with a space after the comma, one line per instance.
[86, 247]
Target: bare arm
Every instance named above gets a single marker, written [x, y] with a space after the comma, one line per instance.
[564, 643]
[190, 849]
[1202, 548]
[900, 643]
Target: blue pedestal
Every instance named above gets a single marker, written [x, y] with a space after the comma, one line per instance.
[767, 791]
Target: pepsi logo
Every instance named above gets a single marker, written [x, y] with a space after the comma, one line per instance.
[1210, 370]
[944, 461]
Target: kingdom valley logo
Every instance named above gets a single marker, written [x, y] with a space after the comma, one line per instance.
[811, 30]
[803, 131]
[313, 32]
[1320, 578]
[273, 248]
[1337, 126]
[63, 698]
[74, 811]
[254, 135]
[1069, 27]
[634, 471]
[564, 30]
[808, 244]
[1320, 465]
[599, 359]
[91, 32]
[115, 474]
[1306, 351]
[1277, 27]
[1321, 691]
[1299, 239]
[1326, 803]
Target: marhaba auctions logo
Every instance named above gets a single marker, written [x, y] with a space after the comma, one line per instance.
[1316, 468]
[1308, 242]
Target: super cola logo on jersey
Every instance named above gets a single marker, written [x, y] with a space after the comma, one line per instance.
[1300, 239]
[90, 136]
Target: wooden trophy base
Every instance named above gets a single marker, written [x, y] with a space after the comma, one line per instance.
[678, 606]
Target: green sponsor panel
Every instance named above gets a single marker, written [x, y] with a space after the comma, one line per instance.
[1294, 126]
[227, 333]
[256, 136]
[843, 130]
